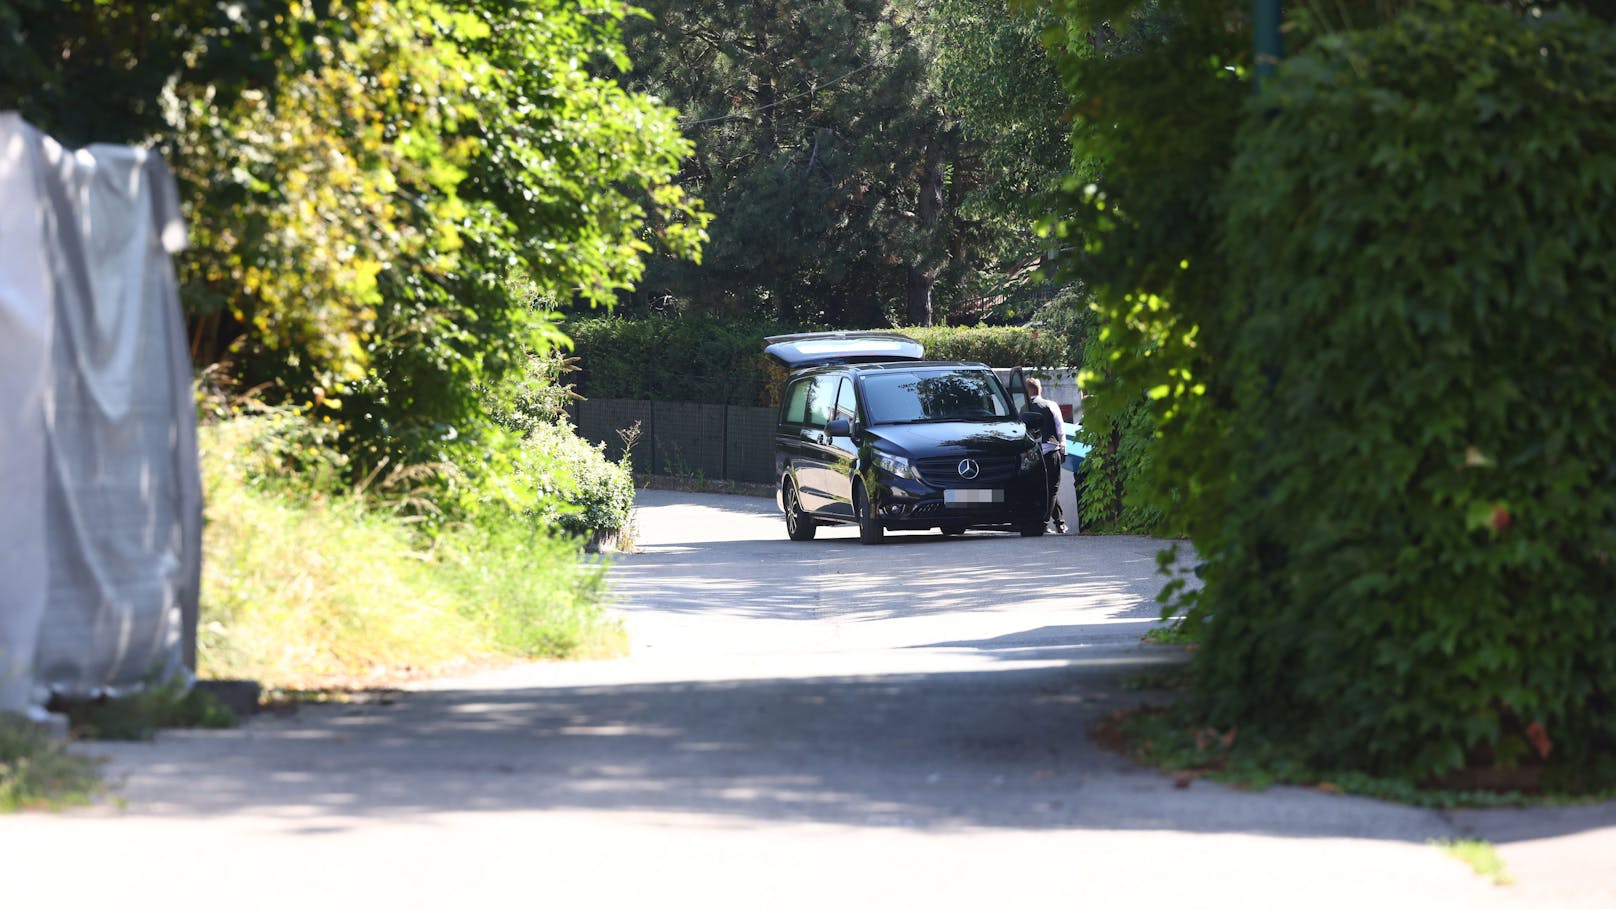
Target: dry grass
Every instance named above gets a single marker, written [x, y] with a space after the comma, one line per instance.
[303, 591]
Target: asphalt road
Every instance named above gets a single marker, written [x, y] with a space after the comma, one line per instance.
[799, 724]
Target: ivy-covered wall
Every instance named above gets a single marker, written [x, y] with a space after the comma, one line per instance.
[1121, 493]
[1414, 566]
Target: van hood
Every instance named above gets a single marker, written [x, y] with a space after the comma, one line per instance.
[949, 438]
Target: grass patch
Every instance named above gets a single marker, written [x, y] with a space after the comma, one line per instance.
[1174, 678]
[289, 699]
[531, 592]
[37, 770]
[137, 717]
[1480, 856]
[1172, 635]
[304, 588]
[702, 484]
[1170, 739]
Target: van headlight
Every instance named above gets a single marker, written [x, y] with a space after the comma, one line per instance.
[1030, 459]
[897, 465]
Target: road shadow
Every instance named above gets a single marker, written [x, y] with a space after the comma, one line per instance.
[1004, 747]
[997, 749]
[1060, 642]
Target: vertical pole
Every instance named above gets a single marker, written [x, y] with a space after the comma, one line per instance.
[653, 437]
[723, 429]
[1267, 48]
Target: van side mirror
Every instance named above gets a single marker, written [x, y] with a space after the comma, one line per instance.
[839, 428]
[1035, 424]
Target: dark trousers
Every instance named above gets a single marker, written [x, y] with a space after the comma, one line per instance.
[1052, 472]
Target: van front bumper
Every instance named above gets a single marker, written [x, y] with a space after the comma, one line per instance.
[905, 504]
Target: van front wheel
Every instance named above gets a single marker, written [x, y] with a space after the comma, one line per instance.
[799, 526]
[869, 529]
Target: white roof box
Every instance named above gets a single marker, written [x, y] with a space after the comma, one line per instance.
[826, 347]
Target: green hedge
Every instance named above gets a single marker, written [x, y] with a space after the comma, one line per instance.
[1416, 568]
[716, 361]
[707, 360]
[997, 346]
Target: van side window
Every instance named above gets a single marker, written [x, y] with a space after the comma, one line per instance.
[845, 408]
[795, 407]
[822, 399]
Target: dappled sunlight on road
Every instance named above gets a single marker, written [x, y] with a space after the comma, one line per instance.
[731, 557]
[890, 712]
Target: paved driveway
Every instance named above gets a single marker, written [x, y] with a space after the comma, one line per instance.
[800, 724]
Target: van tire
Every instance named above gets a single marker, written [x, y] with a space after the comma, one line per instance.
[869, 529]
[799, 526]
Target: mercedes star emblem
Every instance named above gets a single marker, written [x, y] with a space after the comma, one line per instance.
[969, 469]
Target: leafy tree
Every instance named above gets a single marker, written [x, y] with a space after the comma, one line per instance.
[794, 110]
[993, 75]
[390, 202]
[830, 142]
[474, 152]
[91, 71]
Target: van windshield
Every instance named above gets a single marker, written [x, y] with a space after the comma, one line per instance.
[914, 397]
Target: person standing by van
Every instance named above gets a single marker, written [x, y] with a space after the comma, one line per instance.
[1053, 445]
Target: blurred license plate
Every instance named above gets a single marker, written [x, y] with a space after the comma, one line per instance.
[972, 496]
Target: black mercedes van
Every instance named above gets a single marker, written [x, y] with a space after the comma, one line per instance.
[870, 433]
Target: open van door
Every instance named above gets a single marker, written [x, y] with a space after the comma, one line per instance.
[1015, 383]
[823, 348]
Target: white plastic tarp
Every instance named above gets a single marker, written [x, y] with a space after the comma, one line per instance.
[100, 497]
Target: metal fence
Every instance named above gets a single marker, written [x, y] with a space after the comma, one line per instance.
[715, 441]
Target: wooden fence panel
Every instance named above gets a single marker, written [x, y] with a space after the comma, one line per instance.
[749, 441]
[599, 420]
[717, 441]
[688, 439]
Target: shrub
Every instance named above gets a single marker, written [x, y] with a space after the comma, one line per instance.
[535, 393]
[279, 448]
[580, 489]
[1414, 569]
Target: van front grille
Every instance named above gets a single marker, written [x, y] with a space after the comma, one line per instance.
[944, 472]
